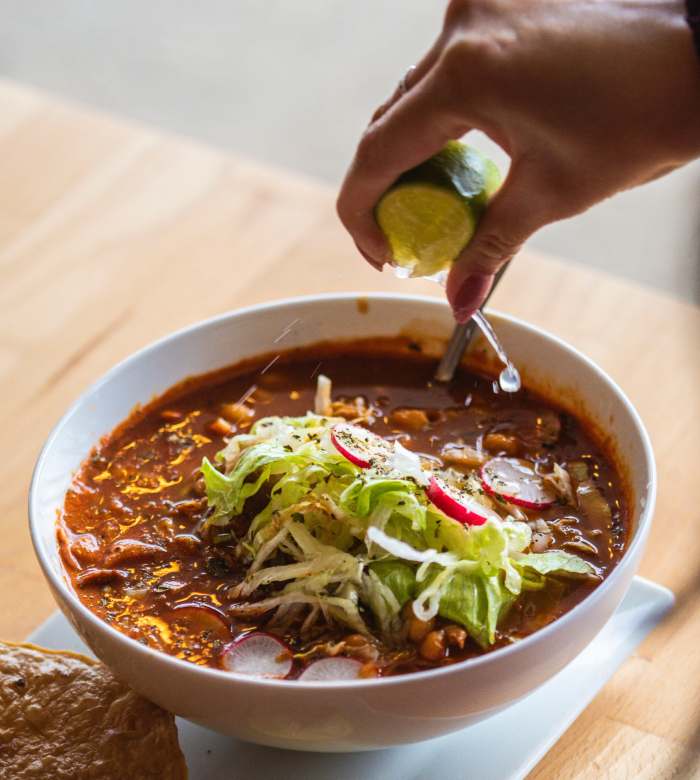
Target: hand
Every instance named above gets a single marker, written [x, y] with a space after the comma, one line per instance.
[587, 97]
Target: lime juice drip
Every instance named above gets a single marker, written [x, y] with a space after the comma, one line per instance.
[403, 272]
[509, 378]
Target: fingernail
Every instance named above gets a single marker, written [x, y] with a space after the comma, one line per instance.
[462, 316]
[376, 264]
[470, 295]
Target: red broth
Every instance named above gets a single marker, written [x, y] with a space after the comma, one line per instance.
[130, 533]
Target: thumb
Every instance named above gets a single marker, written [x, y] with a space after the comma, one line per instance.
[511, 217]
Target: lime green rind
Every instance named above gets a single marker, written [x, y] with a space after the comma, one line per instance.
[430, 214]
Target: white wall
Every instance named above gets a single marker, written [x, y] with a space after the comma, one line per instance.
[292, 82]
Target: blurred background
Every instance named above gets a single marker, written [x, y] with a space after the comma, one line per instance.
[293, 84]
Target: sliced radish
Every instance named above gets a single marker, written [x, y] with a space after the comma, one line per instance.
[257, 655]
[409, 464]
[332, 669]
[517, 482]
[456, 503]
[358, 445]
[203, 617]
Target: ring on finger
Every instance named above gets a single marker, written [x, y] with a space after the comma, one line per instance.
[403, 84]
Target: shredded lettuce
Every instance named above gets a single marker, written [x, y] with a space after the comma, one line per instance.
[478, 603]
[555, 561]
[399, 577]
[342, 543]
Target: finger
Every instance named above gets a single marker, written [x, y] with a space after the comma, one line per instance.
[412, 130]
[513, 215]
[413, 76]
[377, 266]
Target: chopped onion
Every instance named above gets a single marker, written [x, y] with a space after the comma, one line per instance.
[408, 463]
[322, 401]
[592, 503]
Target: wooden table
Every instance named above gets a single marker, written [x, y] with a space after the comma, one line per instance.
[112, 235]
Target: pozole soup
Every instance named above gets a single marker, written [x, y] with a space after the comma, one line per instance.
[336, 514]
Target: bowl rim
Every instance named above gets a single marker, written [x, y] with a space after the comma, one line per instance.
[223, 677]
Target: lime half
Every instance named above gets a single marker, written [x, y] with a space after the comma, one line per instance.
[430, 214]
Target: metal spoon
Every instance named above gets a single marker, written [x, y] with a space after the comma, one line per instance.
[461, 338]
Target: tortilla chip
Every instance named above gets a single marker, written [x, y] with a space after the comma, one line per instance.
[64, 716]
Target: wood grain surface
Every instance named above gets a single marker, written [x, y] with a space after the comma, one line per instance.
[112, 235]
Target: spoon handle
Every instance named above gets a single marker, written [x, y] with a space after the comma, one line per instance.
[460, 339]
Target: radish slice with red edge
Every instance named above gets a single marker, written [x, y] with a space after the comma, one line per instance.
[456, 503]
[517, 482]
[257, 655]
[202, 617]
[360, 446]
[332, 670]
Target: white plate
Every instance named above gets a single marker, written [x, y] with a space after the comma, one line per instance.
[504, 747]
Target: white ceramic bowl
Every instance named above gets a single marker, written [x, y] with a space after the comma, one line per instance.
[360, 714]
